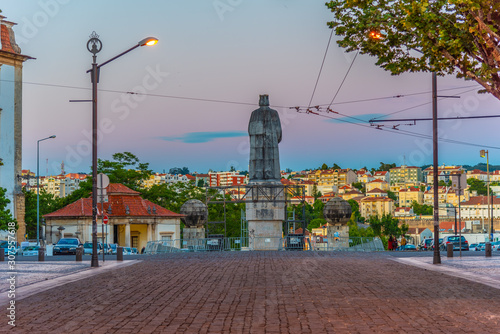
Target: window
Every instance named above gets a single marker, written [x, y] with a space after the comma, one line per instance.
[166, 237]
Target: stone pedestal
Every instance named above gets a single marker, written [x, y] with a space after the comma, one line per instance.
[193, 237]
[265, 212]
[338, 237]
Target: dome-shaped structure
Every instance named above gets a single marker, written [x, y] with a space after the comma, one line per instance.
[337, 211]
[195, 212]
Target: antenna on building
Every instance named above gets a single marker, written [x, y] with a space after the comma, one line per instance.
[62, 168]
[46, 167]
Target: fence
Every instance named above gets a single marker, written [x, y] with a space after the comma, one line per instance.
[288, 243]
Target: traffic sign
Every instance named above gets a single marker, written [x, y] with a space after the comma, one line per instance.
[105, 219]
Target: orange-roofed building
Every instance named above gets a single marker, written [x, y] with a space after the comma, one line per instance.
[410, 194]
[376, 206]
[133, 221]
[377, 184]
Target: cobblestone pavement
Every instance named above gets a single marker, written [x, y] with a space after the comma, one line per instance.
[263, 292]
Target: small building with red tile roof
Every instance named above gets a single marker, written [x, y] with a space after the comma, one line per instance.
[133, 221]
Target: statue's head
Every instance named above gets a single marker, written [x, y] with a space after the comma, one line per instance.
[264, 100]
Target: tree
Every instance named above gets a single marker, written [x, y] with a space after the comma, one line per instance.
[392, 195]
[422, 209]
[125, 169]
[48, 203]
[387, 225]
[315, 223]
[477, 185]
[359, 185]
[324, 167]
[356, 215]
[335, 166]
[5, 214]
[386, 167]
[181, 171]
[452, 35]
[201, 183]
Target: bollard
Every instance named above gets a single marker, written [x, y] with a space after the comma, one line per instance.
[2, 254]
[449, 250]
[41, 254]
[119, 253]
[79, 254]
[488, 249]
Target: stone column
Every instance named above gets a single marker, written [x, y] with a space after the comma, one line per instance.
[149, 234]
[127, 235]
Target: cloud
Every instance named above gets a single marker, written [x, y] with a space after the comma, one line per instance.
[204, 137]
[365, 118]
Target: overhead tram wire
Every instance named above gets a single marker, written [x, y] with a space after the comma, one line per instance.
[213, 100]
[407, 133]
[343, 80]
[321, 68]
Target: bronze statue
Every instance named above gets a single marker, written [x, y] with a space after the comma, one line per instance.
[264, 129]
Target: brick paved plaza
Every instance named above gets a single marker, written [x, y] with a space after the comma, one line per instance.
[263, 292]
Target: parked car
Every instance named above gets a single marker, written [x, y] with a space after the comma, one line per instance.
[13, 247]
[31, 251]
[407, 247]
[87, 248]
[481, 246]
[425, 244]
[495, 245]
[134, 250]
[66, 246]
[455, 240]
[432, 243]
[474, 247]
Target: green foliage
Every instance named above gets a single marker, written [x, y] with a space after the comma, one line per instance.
[184, 170]
[5, 214]
[335, 166]
[355, 215]
[324, 167]
[359, 185]
[387, 226]
[477, 185]
[422, 209]
[452, 36]
[48, 203]
[315, 223]
[201, 183]
[386, 167]
[125, 169]
[392, 195]
[441, 183]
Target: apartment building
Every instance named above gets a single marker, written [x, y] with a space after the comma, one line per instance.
[404, 174]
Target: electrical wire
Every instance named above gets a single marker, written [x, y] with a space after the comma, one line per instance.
[321, 68]
[343, 80]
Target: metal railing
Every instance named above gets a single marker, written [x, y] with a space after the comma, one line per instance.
[287, 243]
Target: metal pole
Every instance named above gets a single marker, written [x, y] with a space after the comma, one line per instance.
[102, 219]
[488, 191]
[459, 217]
[456, 220]
[437, 257]
[95, 78]
[37, 191]
[492, 229]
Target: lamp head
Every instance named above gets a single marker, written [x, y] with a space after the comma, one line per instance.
[149, 41]
[53, 136]
[376, 35]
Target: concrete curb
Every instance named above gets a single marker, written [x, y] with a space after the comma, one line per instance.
[34, 288]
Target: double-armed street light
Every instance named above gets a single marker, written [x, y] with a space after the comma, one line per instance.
[94, 46]
[38, 188]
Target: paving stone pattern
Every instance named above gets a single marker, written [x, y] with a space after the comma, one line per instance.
[264, 292]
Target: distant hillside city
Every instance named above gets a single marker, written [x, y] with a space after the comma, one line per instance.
[403, 191]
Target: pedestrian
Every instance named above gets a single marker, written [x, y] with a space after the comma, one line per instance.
[403, 241]
[390, 243]
[143, 250]
[395, 244]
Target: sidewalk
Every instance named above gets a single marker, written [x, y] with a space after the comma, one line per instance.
[268, 292]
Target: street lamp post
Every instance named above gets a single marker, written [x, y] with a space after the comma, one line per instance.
[94, 46]
[484, 153]
[38, 188]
